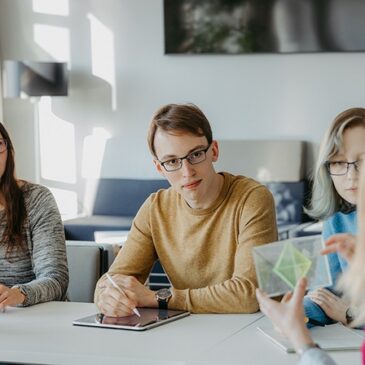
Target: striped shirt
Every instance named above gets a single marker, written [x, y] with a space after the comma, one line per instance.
[41, 273]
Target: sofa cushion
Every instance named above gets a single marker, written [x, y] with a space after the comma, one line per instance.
[290, 197]
[116, 203]
[83, 228]
[123, 197]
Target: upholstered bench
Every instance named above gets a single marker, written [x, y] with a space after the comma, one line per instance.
[115, 205]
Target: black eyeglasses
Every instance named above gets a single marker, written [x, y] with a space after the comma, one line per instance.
[3, 145]
[193, 158]
[339, 168]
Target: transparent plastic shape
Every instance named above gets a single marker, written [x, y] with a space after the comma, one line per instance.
[279, 265]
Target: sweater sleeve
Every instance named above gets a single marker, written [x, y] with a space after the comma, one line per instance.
[316, 357]
[49, 250]
[327, 230]
[257, 225]
[333, 259]
[138, 254]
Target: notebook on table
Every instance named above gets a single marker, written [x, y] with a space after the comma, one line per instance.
[334, 337]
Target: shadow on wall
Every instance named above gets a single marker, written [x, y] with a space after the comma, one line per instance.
[80, 35]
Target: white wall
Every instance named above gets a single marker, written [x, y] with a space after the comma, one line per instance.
[244, 96]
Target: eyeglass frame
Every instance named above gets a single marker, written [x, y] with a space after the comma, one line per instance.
[5, 143]
[354, 163]
[185, 158]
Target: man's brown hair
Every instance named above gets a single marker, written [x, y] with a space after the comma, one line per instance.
[175, 118]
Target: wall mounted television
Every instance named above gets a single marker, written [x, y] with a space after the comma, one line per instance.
[263, 26]
[23, 79]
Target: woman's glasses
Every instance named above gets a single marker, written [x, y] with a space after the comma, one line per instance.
[339, 168]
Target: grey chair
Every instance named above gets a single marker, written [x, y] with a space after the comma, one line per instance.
[86, 263]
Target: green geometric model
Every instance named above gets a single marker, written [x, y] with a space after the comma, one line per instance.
[291, 265]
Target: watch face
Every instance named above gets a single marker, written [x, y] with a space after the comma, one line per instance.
[163, 294]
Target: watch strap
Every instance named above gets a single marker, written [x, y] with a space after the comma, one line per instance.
[162, 304]
[163, 296]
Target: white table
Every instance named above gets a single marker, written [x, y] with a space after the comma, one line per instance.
[250, 344]
[44, 334]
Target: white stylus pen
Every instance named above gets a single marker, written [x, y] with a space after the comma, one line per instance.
[135, 310]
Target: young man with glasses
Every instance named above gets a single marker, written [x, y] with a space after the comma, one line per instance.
[202, 229]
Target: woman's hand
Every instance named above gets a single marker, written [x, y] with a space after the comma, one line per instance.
[335, 307]
[10, 297]
[343, 243]
[119, 303]
[288, 316]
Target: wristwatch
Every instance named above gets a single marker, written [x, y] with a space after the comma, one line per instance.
[349, 315]
[163, 296]
[307, 347]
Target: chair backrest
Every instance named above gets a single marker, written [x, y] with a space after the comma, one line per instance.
[85, 264]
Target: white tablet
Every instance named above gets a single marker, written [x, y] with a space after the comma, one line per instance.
[150, 317]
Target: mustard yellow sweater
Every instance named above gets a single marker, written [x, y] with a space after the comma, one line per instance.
[206, 253]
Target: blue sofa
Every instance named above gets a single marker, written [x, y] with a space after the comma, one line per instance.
[290, 197]
[116, 204]
[279, 164]
[118, 200]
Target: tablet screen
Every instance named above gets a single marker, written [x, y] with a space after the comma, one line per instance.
[150, 317]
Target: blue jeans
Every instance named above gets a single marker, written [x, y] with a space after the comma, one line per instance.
[312, 310]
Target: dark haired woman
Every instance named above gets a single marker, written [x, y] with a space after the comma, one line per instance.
[33, 264]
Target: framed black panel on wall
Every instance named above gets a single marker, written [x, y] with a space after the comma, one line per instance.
[263, 26]
[22, 79]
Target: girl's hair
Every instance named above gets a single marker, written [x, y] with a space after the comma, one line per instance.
[352, 281]
[175, 118]
[14, 203]
[325, 200]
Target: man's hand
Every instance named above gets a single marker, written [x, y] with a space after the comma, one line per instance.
[335, 307]
[10, 297]
[119, 303]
